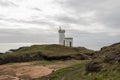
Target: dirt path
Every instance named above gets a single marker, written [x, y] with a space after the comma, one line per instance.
[66, 75]
[70, 73]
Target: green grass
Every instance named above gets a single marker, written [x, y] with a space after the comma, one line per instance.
[103, 75]
[60, 73]
[56, 62]
[49, 50]
[110, 72]
[44, 63]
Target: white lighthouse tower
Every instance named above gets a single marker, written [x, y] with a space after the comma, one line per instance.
[66, 41]
[61, 36]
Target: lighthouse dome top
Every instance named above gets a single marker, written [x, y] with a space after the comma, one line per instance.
[61, 30]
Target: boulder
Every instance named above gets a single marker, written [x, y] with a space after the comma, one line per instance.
[93, 67]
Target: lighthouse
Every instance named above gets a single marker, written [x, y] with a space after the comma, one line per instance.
[66, 41]
[61, 36]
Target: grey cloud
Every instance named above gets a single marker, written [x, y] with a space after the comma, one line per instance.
[39, 22]
[26, 36]
[7, 3]
[110, 19]
[67, 19]
[37, 9]
[82, 5]
[106, 11]
[92, 40]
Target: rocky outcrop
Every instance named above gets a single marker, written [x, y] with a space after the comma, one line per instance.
[93, 67]
[113, 57]
[81, 57]
[22, 58]
[39, 56]
[107, 55]
[14, 50]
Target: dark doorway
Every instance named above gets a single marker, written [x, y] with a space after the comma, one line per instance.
[64, 42]
[70, 44]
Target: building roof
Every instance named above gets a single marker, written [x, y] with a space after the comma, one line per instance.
[68, 38]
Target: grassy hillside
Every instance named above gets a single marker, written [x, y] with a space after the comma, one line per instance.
[44, 52]
[109, 52]
[106, 66]
[51, 50]
[112, 49]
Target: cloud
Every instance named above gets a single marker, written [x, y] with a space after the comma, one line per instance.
[69, 19]
[27, 36]
[110, 18]
[92, 40]
[28, 22]
[106, 12]
[7, 3]
[37, 9]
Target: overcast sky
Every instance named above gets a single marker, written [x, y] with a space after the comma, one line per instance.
[92, 23]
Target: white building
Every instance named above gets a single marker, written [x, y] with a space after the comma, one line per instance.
[61, 36]
[68, 42]
[64, 40]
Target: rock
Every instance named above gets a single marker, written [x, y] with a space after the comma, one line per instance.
[113, 57]
[93, 67]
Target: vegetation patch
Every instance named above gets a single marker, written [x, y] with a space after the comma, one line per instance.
[44, 52]
[104, 66]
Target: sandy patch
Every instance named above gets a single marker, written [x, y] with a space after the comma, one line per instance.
[23, 70]
[29, 70]
[33, 71]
